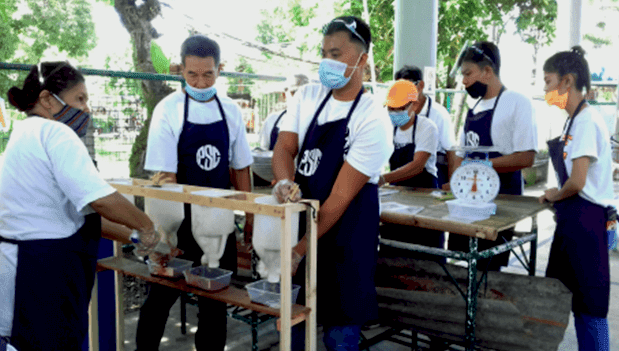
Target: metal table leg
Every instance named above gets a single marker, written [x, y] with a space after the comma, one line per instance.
[471, 295]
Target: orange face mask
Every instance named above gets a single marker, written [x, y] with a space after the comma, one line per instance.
[553, 98]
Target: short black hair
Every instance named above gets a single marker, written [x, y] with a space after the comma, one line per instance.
[339, 24]
[411, 73]
[201, 46]
[56, 77]
[571, 62]
[482, 53]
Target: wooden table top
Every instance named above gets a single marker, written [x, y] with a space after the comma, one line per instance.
[230, 295]
[510, 210]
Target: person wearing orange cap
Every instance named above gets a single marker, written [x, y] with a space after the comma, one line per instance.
[413, 164]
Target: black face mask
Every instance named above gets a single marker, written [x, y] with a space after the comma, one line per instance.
[477, 90]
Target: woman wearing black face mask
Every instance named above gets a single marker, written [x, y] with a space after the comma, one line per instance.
[51, 203]
[503, 119]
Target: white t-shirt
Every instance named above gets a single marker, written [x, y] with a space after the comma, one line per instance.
[514, 128]
[167, 124]
[442, 119]
[591, 138]
[267, 128]
[47, 182]
[426, 139]
[370, 139]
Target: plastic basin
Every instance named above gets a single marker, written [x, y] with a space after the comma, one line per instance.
[174, 269]
[207, 278]
[268, 294]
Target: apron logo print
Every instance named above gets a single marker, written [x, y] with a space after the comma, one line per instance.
[310, 161]
[208, 157]
[472, 138]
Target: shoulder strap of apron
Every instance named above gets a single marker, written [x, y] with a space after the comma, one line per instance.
[221, 111]
[278, 118]
[571, 120]
[496, 102]
[319, 110]
[429, 106]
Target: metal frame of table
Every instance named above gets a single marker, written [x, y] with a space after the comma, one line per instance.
[511, 209]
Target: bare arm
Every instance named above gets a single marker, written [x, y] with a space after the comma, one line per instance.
[118, 209]
[241, 179]
[115, 231]
[574, 184]
[410, 169]
[347, 185]
[513, 162]
[451, 163]
[286, 149]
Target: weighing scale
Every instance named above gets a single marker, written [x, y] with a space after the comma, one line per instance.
[475, 184]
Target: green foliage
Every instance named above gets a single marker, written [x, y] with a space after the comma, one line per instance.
[160, 61]
[241, 85]
[289, 25]
[32, 27]
[597, 41]
[382, 14]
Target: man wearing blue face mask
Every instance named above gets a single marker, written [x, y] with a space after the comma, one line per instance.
[196, 137]
[503, 119]
[413, 164]
[343, 139]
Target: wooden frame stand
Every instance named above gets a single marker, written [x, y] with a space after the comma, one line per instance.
[289, 314]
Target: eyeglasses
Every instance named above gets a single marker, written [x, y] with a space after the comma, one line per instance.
[352, 27]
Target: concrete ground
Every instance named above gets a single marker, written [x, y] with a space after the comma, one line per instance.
[239, 336]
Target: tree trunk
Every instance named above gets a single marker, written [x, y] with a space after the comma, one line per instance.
[137, 21]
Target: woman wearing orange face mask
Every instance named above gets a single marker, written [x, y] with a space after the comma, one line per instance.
[582, 160]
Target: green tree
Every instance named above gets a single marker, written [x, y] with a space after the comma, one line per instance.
[241, 85]
[136, 17]
[289, 25]
[32, 28]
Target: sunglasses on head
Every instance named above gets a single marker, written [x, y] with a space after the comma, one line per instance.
[352, 27]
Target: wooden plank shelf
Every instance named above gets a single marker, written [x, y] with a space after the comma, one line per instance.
[230, 295]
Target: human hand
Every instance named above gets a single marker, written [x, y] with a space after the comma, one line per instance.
[381, 181]
[286, 190]
[550, 195]
[295, 262]
[146, 241]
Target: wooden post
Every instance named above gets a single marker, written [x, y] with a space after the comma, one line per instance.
[311, 274]
[93, 318]
[120, 307]
[286, 281]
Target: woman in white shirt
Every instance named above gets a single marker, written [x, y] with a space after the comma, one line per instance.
[51, 203]
[582, 161]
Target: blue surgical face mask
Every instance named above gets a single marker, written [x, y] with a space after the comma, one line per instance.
[73, 117]
[399, 118]
[201, 95]
[331, 73]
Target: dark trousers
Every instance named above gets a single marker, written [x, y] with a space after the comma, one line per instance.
[212, 322]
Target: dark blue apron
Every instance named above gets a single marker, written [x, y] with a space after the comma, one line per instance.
[203, 160]
[404, 155]
[579, 252]
[53, 287]
[275, 131]
[511, 183]
[347, 253]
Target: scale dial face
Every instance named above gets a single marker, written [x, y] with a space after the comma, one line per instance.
[475, 182]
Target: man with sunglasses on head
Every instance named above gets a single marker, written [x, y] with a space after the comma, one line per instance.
[343, 139]
[502, 119]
